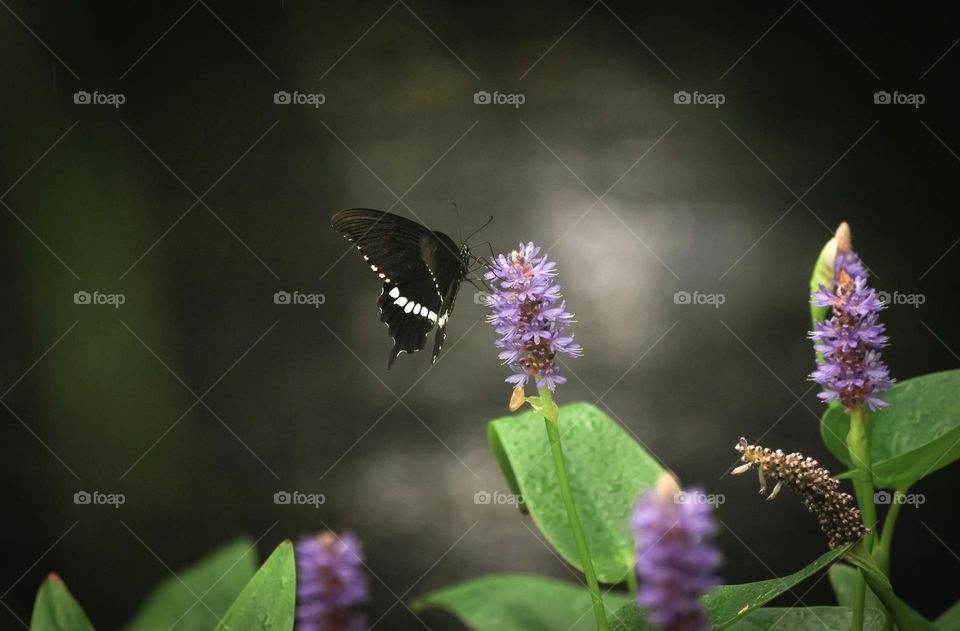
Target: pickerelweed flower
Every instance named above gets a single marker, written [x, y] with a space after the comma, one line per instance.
[817, 490]
[850, 369]
[676, 558]
[530, 316]
[330, 581]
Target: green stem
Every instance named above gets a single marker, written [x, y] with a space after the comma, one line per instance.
[551, 418]
[881, 553]
[859, 449]
[859, 601]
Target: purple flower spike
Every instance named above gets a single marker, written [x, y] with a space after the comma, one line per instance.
[676, 558]
[530, 316]
[330, 581]
[851, 370]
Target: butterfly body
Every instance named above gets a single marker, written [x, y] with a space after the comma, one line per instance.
[421, 272]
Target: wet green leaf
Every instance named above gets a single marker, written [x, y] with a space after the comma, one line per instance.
[608, 470]
[916, 435]
[267, 602]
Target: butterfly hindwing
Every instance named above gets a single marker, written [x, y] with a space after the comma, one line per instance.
[410, 311]
[421, 272]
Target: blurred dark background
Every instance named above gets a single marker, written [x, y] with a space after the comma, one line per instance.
[103, 198]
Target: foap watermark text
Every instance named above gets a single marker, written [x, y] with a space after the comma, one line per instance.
[98, 298]
[914, 100]
[714, 99]
[696, 497]
[315, 100]
[97, 498]
[113, 99]
[298, 498]
[698, 298]
[482, 97]
[299, 298]
[496, 498]
[885, 498]
[897, 298]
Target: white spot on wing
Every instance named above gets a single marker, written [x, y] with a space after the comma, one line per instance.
[395, 292]
[408, 308]
[401, 301]
[432, 316]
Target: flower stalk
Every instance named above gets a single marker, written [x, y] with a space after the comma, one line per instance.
[548, 409]
[531, 319]
[852, 374]
[859, 448]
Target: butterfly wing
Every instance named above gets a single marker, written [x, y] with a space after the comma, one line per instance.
[412, 261]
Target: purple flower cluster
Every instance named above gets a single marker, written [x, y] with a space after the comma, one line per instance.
[530, 316]
[851, 370]
[330, 581]
[676, 558]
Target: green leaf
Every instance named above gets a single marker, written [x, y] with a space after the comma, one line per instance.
[267, 602]
[916, 435]
[949, 620]
[56, 610]
[216, 580]
[807, 619]
[608, 470]
[516, 602]
[727, 604]
[903, 615]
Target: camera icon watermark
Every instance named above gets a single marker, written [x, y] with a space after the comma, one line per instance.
[315, 100]
[114, 99]
[886, 498]
[298, 498]
[482, 97]
[882, 97]
[96, 498]
[496, 498]
[298, 298]
[98, 298]
[897, 298]
[714, 99]
[696, 497]
[481, 297]
[699, 298]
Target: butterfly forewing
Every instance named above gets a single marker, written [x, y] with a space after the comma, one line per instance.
[421, 272]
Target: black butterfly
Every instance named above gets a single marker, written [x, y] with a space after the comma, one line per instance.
[421, 272]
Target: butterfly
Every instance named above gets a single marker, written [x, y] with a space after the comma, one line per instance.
[421, 272]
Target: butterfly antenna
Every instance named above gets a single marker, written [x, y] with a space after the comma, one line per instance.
[485, 224]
